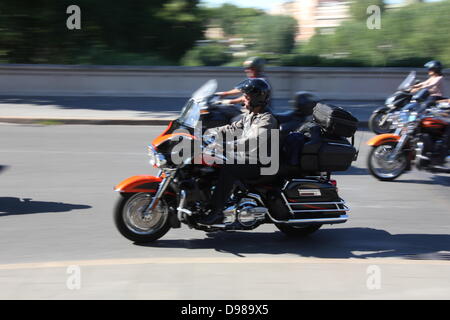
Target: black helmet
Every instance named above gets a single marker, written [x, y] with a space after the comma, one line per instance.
[434, 65]
[257, 89]
[254, 63]
[304, 102]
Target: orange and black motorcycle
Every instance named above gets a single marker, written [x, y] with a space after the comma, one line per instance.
[418, 140]
[297, 201]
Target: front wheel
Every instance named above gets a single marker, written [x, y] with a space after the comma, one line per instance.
[134, 225]
[377, 118]
[382, 166]
[298, 231]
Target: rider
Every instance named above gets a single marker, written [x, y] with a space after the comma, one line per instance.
[435, 82]
[255, 125]
[253, 68]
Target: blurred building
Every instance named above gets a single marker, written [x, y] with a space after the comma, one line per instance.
[313, 15]
[215, 33]
[321, 15]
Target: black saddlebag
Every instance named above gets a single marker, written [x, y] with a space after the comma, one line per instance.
[335, 120]
[307, 199]
[327, 155]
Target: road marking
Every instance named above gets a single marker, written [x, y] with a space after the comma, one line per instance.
[219, 260]
[73, 152]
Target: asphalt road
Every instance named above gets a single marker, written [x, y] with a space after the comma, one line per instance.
[56, 232]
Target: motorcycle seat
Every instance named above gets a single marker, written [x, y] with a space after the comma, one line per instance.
[289, 116]
[287, 122]
[286, 116]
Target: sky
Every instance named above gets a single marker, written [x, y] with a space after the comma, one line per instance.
[260, 4]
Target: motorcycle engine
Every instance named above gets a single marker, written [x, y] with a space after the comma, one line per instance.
[422, 148]
[246, 212]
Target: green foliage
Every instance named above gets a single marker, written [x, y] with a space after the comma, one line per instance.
[232, 19]
[358, 9]
[273, 34]
[408, 36]
[207, 55]
[102, 56]
[164, 32]
[265, 35]
[299, 60]
[35, 31]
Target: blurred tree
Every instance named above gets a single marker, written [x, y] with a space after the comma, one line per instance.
[358, 9]
[35, 31]
[409, 37]
[273, 34]
[207, 55]
[232, 19]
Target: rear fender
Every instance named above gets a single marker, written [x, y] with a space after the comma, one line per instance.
[383, 139]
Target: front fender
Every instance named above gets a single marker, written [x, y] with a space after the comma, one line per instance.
[140, 183]
[381, 109]
[382, 139]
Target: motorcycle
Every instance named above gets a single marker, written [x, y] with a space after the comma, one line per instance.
[381, 119]
[297, 200]
[417, 140]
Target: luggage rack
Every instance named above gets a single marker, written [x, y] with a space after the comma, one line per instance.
[344, 208]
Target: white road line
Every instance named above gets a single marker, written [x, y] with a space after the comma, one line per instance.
[219, 260]
[81, 152]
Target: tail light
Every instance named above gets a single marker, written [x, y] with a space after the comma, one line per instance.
[334, 184]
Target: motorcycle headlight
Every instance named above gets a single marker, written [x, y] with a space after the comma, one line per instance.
[412, 117]
[403, 118]
[156, 159]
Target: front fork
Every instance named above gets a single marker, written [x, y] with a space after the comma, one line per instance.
[385, 118]
[398, 148]
[169, 175]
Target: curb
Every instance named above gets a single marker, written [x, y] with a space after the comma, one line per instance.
[141, 122]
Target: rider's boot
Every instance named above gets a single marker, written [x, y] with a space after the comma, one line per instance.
[212, 217]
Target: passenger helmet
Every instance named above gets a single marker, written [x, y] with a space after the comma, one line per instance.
[304, 102]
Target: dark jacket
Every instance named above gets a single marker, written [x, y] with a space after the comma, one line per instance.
[253, 130]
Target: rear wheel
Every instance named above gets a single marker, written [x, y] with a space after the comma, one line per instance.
[382, 167]
[298, 231]
[375, 122]
[134, 225]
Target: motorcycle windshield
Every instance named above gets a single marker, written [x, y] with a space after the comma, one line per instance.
[191, 111]
[190, 114]
[205, 90]
[408, 82]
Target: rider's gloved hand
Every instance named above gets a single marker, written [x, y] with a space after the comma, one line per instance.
[222, 102]
[444, 105]
[209, 136]
[212, 142]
